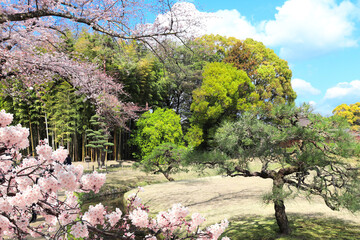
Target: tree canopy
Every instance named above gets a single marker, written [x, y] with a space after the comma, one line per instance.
[270, 74]
[155, 128]
[351, 113]
[309, 157]
[225, 92]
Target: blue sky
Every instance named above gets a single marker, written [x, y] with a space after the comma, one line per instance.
[320, 39]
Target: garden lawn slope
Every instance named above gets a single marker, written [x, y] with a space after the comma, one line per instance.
[225, 197]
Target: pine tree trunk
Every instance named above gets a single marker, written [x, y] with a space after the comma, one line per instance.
[167, 176]
[279, 207]
[281, 217]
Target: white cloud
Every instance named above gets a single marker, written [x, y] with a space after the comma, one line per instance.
[303, 27]
[344, 91]
[303, 88]
[231, 23]
[312, 103]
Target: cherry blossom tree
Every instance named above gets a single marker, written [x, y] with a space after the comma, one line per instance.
[29, 188]
[32, 30]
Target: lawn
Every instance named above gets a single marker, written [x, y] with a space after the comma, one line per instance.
[237, 199]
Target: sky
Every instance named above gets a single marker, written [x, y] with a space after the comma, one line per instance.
[320, 39]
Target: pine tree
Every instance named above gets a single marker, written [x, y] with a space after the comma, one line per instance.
[98, 139]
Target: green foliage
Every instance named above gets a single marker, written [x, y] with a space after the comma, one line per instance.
[97, 135]
[64, 114]
[224, 93]
[153, 129]
[214, 48]
[270, 74]
[351, 113]
[304, 227]
[131, 63]
[165, 159]
[311, 157]
[142, 79]
[194, 136]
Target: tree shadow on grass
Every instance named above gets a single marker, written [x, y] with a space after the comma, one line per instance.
[303, 227]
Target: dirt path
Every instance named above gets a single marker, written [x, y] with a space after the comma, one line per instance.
[224, 197]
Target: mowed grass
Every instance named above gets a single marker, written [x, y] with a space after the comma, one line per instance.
[237, 199]
[303, 227]
[120, 179]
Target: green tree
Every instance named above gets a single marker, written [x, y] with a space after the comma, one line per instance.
[351, 113]
[27, 110]
[214, 48]
[184, 65]
[308, 153]
[165, 159]
[153, 129]
[224, 93]
[98, 139]
[270, 74]
[130, 63]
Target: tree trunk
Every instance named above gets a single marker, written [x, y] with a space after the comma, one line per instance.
[279, 207]
[170, 179]
[120, 148]
[38, 134]
[281, 217]
[83, 148]
[115, 146]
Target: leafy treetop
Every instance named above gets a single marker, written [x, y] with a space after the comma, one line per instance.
[351, 113]
[313, 158]
[225, 92]
[153, 129]
[270, 74]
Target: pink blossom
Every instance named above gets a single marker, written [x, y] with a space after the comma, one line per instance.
[32, 194]
[5, 206]
[114, 217]
[4, 224]
[44, 152]
[93, 181]
[79, 230]
[139, 218]
[95, 215]
[67, 180]
[60, 154]
[49, 184]
[217, 229]
[67, 217]
[5, 118]
[196, 220]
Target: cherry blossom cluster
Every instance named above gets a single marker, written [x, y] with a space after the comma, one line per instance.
[167, 224]
[32, 34]
[30, 187]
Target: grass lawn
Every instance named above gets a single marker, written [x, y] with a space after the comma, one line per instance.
[237, 199]
[303, 227]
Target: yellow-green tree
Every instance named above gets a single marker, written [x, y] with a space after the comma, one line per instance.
[351, 113]
[270, 74]
[224, 93]
[156, 128]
